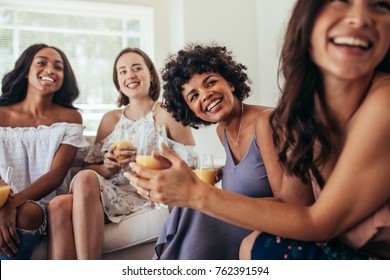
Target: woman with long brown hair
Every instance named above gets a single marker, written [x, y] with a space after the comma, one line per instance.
[331, 127]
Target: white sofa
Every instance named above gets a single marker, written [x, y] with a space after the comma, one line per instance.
[133, 238]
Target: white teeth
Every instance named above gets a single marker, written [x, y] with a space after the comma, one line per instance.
[350, 41]
[132, 85]
[47, 79]
[213, 104]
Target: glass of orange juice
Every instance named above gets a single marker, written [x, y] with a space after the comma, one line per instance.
[150, 137]
[5, 184]
[205, 169]
[122, 138]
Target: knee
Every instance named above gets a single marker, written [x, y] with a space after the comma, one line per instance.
[29, 216]
[60, 209]
[85, 184]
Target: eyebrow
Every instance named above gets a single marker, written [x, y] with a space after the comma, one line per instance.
[45, 57]
[204, 81]
[136, 64]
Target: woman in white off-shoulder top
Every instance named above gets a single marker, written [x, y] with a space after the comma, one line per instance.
[40, 131]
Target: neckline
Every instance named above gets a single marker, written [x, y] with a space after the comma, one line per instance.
[151, 111]
[41, 126]
[230, 155]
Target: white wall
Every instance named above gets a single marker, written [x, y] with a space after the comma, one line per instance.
[272, 17]
[252, 29]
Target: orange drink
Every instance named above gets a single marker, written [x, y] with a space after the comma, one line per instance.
[148, 162]
[205, 169]
[150, 137]
[119, 144]
[206, 175]
[4, 193]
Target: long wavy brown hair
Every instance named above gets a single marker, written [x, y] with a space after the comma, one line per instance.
[296, 123]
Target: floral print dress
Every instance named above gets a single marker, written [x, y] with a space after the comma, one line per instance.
[118, 196]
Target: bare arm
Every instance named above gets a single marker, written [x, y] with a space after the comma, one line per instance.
[106, 127]
[357, 187]
[175, 130]
[52, 179]
[286, 188]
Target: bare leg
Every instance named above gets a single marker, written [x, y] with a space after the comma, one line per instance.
[61, 239]
[88, 216]
[29, 216]
[247, 245]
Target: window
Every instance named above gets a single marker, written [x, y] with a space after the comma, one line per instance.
[90, 34]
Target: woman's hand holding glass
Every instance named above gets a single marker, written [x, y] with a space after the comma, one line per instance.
[122, 151]
[151, 136]
[175, 185]
[205, 169]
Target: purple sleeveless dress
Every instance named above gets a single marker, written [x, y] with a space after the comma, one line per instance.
[192, 235]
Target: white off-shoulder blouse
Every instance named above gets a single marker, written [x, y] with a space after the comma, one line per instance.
[30, 151]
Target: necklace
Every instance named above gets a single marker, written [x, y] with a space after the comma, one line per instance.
[235, 143]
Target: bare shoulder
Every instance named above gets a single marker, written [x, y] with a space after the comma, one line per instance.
[377, 102]
[163, 116]
[107, 124]
[175, 130]
[265, 114]
[219, 130]
[68, 115]
[4, 115]
[261, 114]
[380, 89]
[264, 131]
[113, 115]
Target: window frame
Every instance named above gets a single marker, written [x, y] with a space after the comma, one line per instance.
[144, 14]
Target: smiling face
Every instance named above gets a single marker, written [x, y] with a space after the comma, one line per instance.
[133, 75]
[350, 38]
[209, 96]
[46, 73]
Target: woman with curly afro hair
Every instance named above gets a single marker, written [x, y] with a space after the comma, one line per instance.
[204, 85]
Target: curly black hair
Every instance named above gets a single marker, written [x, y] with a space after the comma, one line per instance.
[198, 59]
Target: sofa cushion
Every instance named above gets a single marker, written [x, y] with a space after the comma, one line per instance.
[140, 227]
